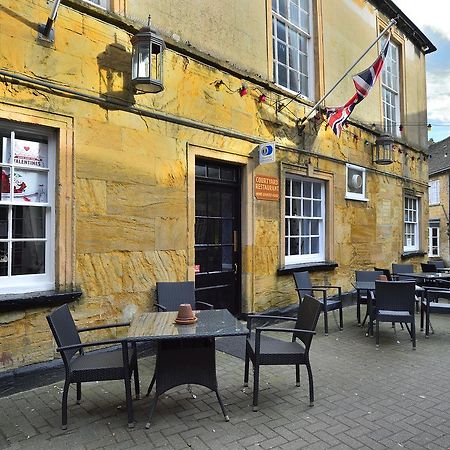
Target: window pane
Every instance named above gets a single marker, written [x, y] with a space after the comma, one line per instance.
[214, 259]
[3, 259]
[28, 222]
[30, 186]
[288, 207]
[296, 207]
[227, 259]
[28, 258]
[307, 208]
[200, 170]
[282, 75]
[4, 222]
[227, 209]
[315, 245]
[6, 187]
[296, 189]
[316, 208]
[305, 246]
[294, 250]
[307, 187]
[213, 204]
[213, 172]
[200, 203]
[294, 227]
[306, 227]
[227, 231]
[200, 231]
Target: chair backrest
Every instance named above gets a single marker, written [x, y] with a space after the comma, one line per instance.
[171, 294]
[428, 267]
[367, 275]
[303, 280]
[64, 331]
[439, 263]
[386, 272]
[395, 295]
[402, 268]
[307, 317]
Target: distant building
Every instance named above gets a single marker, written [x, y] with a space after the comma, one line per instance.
[439, 201]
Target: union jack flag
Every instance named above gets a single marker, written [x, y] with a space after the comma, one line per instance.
[363, 81]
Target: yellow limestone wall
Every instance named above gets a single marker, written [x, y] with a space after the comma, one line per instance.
[133, 175]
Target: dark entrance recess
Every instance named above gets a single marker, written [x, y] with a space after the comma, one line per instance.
[217, 235]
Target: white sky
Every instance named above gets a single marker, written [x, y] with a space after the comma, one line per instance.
[434, 16]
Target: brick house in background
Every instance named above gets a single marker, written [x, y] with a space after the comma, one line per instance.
[125, 189]
[439, 200]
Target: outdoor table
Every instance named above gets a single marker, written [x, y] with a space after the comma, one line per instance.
[368, 287]
[443, 269]
[425, 276]
[185, 353]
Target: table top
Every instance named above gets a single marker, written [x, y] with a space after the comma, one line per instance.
[425, 275]
[161, 325]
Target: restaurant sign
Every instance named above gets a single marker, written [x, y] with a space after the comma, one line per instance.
[267, 188]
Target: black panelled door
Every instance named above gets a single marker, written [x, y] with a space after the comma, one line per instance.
[217, 235]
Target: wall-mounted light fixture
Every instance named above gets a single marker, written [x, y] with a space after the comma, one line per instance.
[147, 60]
[384, 150]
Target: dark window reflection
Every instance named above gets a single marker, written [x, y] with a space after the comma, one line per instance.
[3, 222]
[214, 259]
[28, 258]
[3, 259]
[28, 222]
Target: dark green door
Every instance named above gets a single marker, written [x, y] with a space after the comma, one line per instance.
[217, 235]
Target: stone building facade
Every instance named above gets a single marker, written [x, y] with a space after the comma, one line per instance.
[439, 201]
[123, 189]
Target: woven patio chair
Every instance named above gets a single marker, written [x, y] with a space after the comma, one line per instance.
[428, 267]
[265, 350]
[395, 303]
[431, 303]
[80, 367]
[304, 286]
[362, 299]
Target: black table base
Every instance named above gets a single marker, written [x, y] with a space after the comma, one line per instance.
[185, 361]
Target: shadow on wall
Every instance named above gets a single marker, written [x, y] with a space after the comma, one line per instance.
[115, 74]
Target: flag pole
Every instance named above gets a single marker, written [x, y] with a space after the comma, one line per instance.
[391, 24]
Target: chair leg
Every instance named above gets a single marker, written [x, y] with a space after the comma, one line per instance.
[311, 384]
[129, 399]
[137, 388]
[325, 321]
[255, 386]
[246, 368]
[64, 405]
[78, 393]
[151, 385]
[297, 375]
[377, 332]
[421, 317]
[341, 318]
[224, 412]
[413, 334]
[358, 311]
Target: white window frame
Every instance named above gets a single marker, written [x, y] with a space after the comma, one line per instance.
[294, 58]
[12, 284]
[104, 4]
[411, 236]
[433, 192]
[390, 88]
[289, 216]
[433, 232]
[361, 196]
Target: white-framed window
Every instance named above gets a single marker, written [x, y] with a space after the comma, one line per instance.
[433, 238]
[27, 209]
[105, 4]
[390, 87]
[304, 220]
[292, 45]
[356, 183]
[411, 217]
[433, 192]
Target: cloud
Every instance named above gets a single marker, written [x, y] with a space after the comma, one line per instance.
[438, 86]
[432, 14]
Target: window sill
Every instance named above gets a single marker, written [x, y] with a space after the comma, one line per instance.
[358, 199]
[307, 267]
[15, 302]
[411, 254]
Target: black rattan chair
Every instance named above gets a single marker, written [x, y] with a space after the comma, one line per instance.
[115, 364]
[304, 286]
[170, 294]
[265, 350]
[402, 268]
[395, 303]
[439, 263]
[361, 298]
[432, 302]
[428, 267]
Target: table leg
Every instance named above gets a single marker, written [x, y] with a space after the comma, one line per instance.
[185, 361]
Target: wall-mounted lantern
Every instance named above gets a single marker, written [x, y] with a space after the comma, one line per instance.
[147, 60]
[384, 150]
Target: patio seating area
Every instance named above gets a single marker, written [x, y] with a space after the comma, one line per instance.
[364, 398]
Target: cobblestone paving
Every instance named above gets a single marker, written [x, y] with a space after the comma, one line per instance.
[393, 397]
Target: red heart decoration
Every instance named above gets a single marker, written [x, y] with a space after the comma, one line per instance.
[27, 148]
